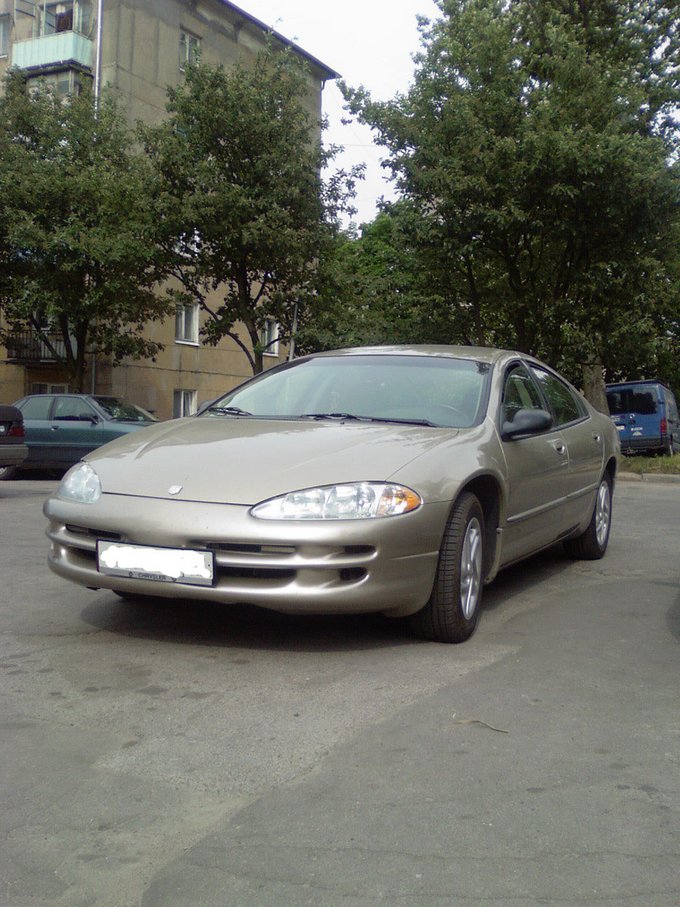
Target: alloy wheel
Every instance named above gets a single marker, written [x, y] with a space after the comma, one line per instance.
[471, 568]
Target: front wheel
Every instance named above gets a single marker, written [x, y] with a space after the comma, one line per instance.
[7, 473]
[452, 612]
[592, 544]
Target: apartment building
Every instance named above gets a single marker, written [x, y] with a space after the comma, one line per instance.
[138, 47]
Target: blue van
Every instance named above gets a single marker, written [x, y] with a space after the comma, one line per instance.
[646, 416]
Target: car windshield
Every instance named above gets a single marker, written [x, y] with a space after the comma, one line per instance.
[627, 400]
[120, 411]
[425, 390]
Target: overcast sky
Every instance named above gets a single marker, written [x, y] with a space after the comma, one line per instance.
[370, 43]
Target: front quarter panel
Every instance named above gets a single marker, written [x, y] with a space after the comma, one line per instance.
[441, 473]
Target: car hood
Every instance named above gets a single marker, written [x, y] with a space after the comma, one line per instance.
[245, 461]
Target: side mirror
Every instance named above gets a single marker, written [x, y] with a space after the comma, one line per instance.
[526, 422]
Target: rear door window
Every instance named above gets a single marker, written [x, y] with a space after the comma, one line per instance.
[566, 405]
[36, 407]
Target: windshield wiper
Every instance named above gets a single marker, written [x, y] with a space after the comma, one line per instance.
[351, 417]
[406, 421]
[228, 411]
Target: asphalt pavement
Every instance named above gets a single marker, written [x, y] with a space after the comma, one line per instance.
[187, 756]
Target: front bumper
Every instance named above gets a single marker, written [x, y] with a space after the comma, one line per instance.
[334, 567]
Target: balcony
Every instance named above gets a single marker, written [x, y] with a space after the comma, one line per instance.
[65, 48]
[27, 348]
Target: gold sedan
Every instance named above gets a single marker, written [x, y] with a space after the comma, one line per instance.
[389, 479]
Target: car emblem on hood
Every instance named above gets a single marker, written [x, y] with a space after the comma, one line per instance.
[174, 489]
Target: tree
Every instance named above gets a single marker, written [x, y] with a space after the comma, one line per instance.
[77, 250]
[539, 146]
[244, 213]
[374, 291]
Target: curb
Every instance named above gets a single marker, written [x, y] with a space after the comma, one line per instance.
[647, 477]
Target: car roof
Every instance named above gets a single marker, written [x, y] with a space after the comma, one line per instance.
[643, 382]
[477, 353]
[94, 397]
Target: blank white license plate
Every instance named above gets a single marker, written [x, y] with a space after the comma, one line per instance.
[165, 565]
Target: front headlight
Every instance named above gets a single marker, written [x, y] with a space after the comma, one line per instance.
[81, 483]
[356, 501]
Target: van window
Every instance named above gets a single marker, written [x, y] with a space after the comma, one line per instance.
[629, 400]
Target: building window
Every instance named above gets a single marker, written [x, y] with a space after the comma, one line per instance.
[63, 85]
[189, 49]
[186, 323]
[37, 388]
[269, 338]
[4, 36]
[56, 17]
[183, 403]
[66, 15]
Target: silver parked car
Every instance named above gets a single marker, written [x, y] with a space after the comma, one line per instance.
[390, 479]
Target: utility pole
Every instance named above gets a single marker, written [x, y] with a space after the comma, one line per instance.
[98, 56]
[97, 96]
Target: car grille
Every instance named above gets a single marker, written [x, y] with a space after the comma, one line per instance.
[272, 564]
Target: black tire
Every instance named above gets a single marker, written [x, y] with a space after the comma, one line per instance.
[592, 544]
[452, 612]
[7, 473]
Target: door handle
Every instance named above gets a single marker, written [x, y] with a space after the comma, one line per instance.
[560, 447]
[54, 427]
[596, 438]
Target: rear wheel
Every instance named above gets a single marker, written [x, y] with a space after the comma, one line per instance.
[7, 472]
[452, 612]
[592, 544]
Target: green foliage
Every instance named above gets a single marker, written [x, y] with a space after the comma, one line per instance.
[76, 241]
[537, 146]
[375, 290]
[660, 465]
[243, 212]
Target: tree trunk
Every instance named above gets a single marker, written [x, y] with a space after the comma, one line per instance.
[594, 386]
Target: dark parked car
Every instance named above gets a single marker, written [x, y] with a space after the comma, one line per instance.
[13, 450]
[646, 416]
[62, 428]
